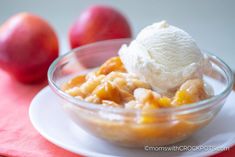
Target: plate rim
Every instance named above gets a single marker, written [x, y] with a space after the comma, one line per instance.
[85, 152]
[53, 140]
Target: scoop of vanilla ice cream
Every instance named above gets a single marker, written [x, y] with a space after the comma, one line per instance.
[164, 56]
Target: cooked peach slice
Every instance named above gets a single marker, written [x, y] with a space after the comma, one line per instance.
[190, 92]
[93, 99]
[88, 87]
[148, 98]
[74, 82]
[75, 91]
[164, 102]
[108, 91]
[113, 64]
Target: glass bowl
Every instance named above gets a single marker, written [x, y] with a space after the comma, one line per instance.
[123, 126]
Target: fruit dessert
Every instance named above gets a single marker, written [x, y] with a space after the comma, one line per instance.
[161, 70]
[112, 85]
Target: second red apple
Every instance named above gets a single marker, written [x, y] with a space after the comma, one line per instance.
[98, 23]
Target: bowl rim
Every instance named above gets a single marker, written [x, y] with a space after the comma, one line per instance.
[193, 107]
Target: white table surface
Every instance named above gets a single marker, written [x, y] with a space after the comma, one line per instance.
[210, 22]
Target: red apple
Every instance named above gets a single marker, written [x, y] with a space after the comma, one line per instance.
[28, 45]
[98, 23]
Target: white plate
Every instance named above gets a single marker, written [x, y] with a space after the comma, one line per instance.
[51, 122]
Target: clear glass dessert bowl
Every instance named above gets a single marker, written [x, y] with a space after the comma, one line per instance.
[122, 126]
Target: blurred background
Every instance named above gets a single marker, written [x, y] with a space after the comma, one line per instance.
[210, 22]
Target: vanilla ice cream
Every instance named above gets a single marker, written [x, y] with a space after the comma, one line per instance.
[164, 56]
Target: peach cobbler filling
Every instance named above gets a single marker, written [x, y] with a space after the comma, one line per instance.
[111, 85]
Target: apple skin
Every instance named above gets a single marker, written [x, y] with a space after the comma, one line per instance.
[96, 23]
[28, 45]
